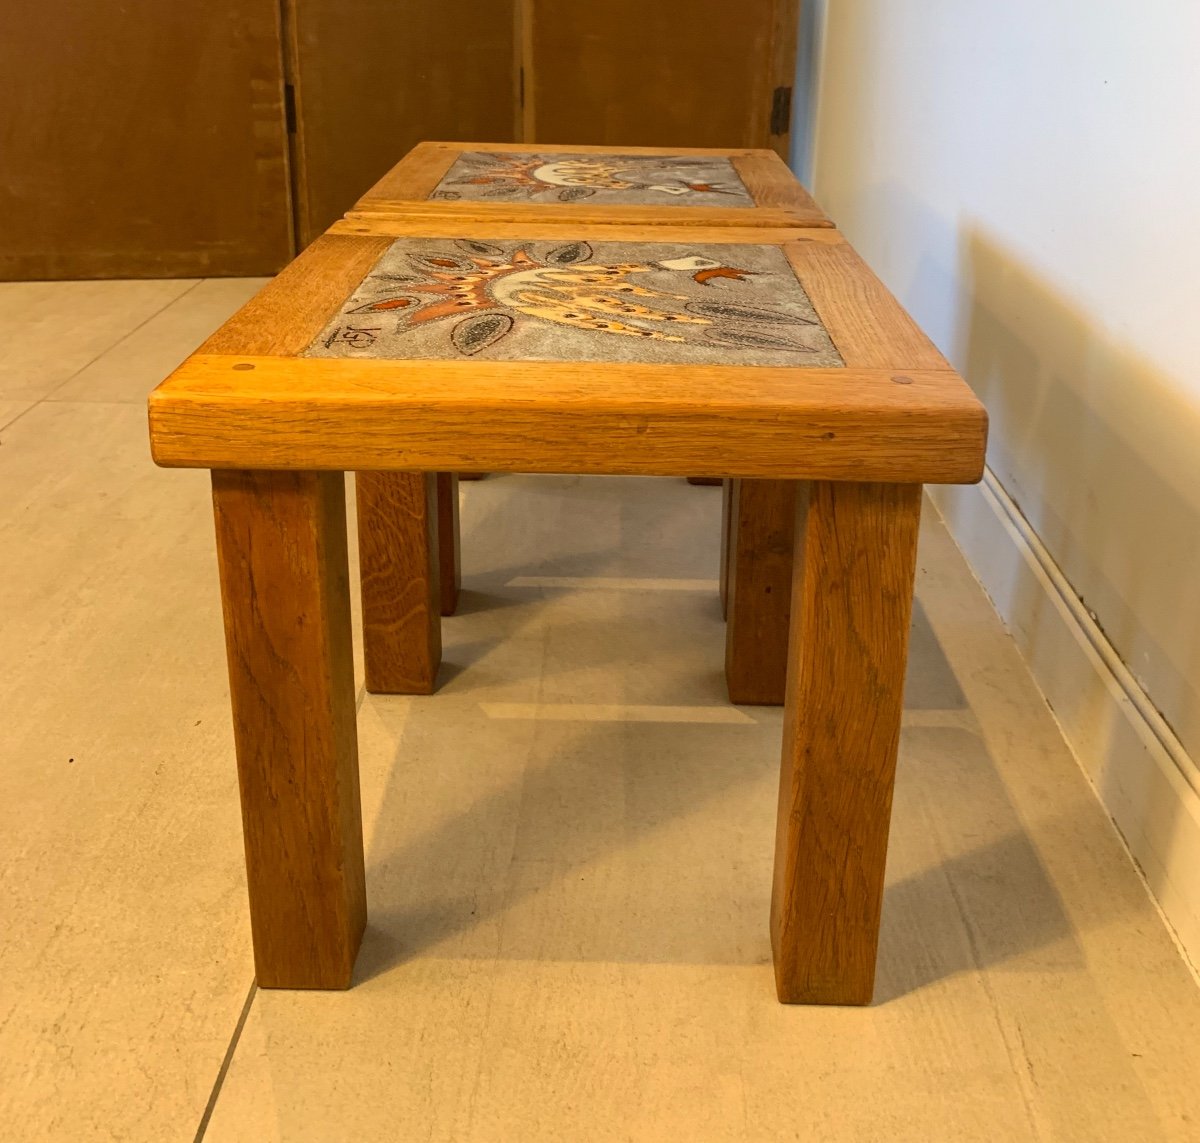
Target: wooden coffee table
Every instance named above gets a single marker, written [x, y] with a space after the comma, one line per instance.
[402, 348]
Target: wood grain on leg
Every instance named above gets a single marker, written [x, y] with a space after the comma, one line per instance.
[281, 546]
[852, 600]
[726, 541]
[449, 550]
[399, 564]
[758, 587]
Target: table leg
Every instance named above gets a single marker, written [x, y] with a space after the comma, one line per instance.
[758, 586]
[281, 547]
[855, 561]
[449, 548]
[726, 541]
[399, 567]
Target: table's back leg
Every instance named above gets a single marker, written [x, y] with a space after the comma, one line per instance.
[281, 546]
[726, 542]
[449, 548]
[758, 586]
[856, 550]
[399, 568]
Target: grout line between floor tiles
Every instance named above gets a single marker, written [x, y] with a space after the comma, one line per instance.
[67, 380]
[614, 712]
[8, 424]
[223, 1070]
[49, 396]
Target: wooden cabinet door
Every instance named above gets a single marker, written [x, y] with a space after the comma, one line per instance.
[375, 77]
[687, 73]
[140, 138]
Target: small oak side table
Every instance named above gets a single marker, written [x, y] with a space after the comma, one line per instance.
[399, 348]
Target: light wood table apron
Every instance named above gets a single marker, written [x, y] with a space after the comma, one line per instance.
[357, 358]
[488, 183]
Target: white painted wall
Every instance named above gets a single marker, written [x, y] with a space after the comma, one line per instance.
[1026, 177]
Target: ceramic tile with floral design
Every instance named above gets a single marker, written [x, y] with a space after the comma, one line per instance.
[636, 180]
[603, 301]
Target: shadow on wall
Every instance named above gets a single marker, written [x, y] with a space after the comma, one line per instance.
[804, 92]
[1099, 450]
[1097, 447]
[1094, 443]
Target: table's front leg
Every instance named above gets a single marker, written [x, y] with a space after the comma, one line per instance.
[855, 560]
[281, 546]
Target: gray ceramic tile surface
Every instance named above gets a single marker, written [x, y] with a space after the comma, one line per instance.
[665, 303]
[632, 180]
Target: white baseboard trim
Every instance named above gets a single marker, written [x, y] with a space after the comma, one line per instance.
[1141, 772]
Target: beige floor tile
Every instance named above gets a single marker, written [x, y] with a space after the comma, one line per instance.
[51, 330]
[568, 919]
[11, 410]
[124, 945]
[132, 367]
[568, 913]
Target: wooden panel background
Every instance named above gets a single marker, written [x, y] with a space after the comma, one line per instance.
[142, 139]
[666, 73]
[375, 77]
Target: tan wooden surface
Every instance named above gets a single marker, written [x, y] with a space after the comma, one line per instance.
[547, 226]
[142, 140]
[771, 183]
[780, 200]
[285, 316]
[591, 214]
[319, 413]
[896, 412]
[758, 585]
[855, 561]
[400, 570]
[281, 547]
[449, 546]
[867, 324]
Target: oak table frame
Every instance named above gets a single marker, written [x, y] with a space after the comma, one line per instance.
[779, 199]
[853, 445]
[755, 549]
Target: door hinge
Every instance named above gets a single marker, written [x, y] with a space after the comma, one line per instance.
[289, 107]
[781, 111]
